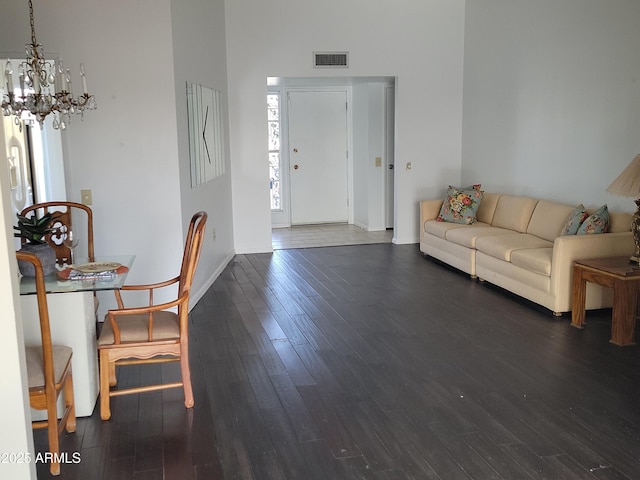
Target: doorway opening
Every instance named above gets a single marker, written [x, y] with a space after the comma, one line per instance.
[331, 153]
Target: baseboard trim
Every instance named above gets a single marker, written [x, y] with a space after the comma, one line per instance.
[196, 295]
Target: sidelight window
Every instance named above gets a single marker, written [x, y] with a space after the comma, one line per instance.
[273, 124]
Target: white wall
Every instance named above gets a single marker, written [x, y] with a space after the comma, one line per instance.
[200, 57]
[368, 143]
[551, 97]
[15, 423]
[420, 43]
[132, 152]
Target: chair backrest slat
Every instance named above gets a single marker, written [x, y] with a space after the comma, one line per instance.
[192, 250]
[43, 312]
[62, 217]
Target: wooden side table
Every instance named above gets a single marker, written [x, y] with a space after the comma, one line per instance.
[620, 275]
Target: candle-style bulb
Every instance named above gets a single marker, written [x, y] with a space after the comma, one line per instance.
[83, 78]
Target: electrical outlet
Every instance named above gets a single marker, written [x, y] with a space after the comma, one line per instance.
[86, 197]
[378, 161]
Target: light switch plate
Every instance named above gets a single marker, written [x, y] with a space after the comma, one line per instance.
[87, 197]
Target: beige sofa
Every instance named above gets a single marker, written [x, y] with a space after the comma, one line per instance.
[516, 244]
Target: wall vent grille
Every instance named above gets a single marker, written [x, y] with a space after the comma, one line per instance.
[331, 59]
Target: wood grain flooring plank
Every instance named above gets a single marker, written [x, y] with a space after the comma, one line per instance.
[234, 457]
[469, 460]
[287, 451]
[249, 434]
[568, 468]
[491, 453]
[328, 423]
[312, 333]
[609, 452]
[260, 381]
[270, 325]
[293, 363]
[561, 431]
[316, 367]
[424, 447]
[295, 409]
[240, 335]
[289, 327]
[271, 361]
[504, 412]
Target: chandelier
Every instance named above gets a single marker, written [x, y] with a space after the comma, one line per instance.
[44, 88]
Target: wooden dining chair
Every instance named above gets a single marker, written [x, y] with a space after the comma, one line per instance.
[63, 218]
[154, 333]
[49, 373]
[64, 213]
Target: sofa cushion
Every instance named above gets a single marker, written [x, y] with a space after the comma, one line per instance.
[513, 213]
[460, 205]
[619, 222]
[578, 215]
[467, 236]
[440, 229]
[597, 222]
[501, 246]
[548, 219]
[536, 260]
[487, 207]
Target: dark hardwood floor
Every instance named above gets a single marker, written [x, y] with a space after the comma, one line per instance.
[372, 362]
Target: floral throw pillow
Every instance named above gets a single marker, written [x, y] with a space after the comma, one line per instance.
[576, 218]
[461, 204]
[597, 222]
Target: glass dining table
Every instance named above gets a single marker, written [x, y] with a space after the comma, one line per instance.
[84, 282]
[72, 316]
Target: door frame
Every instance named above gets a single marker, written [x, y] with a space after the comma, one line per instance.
[389, 155]
[282, 218]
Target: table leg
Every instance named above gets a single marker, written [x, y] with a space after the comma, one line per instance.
[579, 298]
[623, 317]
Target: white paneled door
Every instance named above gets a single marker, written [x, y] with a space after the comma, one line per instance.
[318, 157]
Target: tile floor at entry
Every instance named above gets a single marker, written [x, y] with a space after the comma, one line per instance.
[326, 235]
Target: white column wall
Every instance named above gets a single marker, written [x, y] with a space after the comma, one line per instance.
[14, 401]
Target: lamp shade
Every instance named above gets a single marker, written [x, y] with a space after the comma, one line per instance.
[627, 184]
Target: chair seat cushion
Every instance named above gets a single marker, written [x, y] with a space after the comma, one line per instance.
[134, 328]
[35, 364]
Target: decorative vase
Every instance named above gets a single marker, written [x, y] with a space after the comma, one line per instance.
[45, 253]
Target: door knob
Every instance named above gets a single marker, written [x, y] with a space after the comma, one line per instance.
[295, 167]
[391, 166]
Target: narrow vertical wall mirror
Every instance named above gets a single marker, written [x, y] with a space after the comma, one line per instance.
[205, 133]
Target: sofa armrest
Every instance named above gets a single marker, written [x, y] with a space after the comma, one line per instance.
[569, 248]
[429, 210]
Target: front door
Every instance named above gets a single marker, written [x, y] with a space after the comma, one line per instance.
[318, 157]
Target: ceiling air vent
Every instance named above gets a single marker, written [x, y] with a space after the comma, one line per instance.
[331, 59]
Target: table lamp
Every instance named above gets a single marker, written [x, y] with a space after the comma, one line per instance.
[627, 184]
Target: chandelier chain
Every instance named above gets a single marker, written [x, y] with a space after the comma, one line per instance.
[33, 24]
